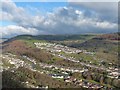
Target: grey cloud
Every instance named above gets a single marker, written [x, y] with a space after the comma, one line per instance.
[105, 10]
[63, 20]
[79, 23]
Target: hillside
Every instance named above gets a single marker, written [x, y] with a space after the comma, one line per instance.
[105, 46]
[52, 37]
[21, 48]
[114, 36]
[67, 61]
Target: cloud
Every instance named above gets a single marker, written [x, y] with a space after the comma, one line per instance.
[63, 20]
[71, 21]
[105, 10]
[13, 30]
[13, 13]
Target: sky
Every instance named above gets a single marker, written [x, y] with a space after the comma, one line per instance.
[43, 18]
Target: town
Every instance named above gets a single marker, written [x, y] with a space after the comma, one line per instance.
[53, 47]
[56, 71]
[60, 48]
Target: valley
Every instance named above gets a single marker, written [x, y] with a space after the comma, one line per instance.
[73, 61]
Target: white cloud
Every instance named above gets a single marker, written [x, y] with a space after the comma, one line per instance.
[13, 30]
[13, 13]
[79, 23]
[106, 25]
[78, 12]
[63, 20]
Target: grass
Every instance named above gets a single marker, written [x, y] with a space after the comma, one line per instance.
[74, 40]
[32, 41]
[85, 57]
[7, 64]
[107, 57]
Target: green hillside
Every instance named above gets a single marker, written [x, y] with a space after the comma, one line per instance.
[31, 59]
